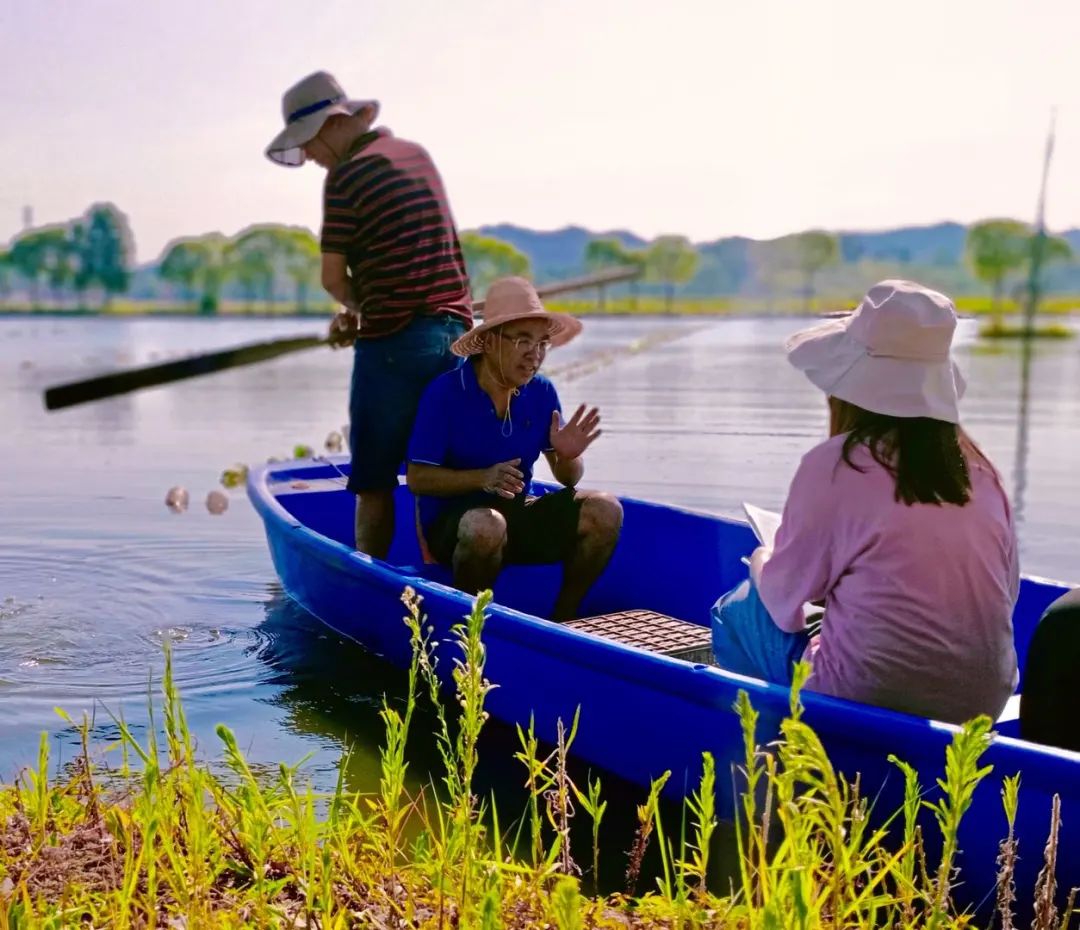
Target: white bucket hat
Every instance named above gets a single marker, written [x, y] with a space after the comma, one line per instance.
[891, 356]
[509, 300]
[306, 106]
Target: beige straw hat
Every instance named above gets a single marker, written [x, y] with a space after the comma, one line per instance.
[306, 106]
[509, 300]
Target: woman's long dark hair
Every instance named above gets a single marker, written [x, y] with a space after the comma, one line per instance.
[927, 458]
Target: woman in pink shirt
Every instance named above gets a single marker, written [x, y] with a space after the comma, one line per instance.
[897, 523]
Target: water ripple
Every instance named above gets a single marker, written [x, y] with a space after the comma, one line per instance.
[89, 622]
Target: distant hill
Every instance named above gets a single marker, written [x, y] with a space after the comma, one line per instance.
[941, 244]
[733, 265]
[560, 252]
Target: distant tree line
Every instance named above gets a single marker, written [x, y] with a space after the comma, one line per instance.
[672, 261]
[258, 260]
[669, 261]
[88, 261]
[1000, 251]
[87, 258]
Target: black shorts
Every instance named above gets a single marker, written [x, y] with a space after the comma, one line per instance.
[539, 529]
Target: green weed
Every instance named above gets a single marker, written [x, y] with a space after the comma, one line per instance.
[165, 842]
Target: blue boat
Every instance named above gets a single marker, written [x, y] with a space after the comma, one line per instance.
[642, 712]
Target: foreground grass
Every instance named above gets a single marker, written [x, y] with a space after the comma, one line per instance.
[167, 843]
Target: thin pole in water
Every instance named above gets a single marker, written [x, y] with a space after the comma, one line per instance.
[1038, 244]
[1038, 241]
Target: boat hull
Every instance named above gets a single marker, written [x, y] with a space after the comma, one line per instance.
[642, 714]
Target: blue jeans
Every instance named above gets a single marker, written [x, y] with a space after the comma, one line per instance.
[747, 641]
[389, 376]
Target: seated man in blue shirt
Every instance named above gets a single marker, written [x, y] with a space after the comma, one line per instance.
[477, 436]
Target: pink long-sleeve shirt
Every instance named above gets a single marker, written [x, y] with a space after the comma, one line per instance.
[918, 599]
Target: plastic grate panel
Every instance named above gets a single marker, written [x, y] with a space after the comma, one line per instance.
[647, 629]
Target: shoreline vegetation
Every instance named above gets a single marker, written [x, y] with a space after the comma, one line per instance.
[269, 269]
[166, 840]
[1058, 306]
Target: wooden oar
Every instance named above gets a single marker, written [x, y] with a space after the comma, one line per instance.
[134, 379]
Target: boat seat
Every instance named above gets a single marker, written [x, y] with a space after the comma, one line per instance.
[647, 629]
[1047, 711]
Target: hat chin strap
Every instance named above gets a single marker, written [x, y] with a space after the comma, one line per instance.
[504, 384]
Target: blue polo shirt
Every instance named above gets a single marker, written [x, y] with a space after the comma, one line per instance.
[457, 427]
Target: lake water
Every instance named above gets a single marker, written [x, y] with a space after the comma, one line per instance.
[95, 572]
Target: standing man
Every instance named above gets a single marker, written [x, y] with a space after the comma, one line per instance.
[392, 258]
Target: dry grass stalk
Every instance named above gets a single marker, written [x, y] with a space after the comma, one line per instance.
[1046, 886]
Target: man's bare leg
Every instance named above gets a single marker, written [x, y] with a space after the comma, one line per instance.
[478, 554]
[375, 522]
[599, 526]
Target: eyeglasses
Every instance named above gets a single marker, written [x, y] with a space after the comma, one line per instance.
[525, 344]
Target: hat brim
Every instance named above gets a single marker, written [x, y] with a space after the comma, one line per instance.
[842, 367]
[563, 329]
[287, 148]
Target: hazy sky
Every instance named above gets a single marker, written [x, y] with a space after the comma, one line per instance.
[704, 117]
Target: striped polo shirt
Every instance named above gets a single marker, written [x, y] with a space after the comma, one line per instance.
[385, 210]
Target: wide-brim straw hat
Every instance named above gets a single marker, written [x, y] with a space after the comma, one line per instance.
[508, 301]
[306, 106]
[892, 356]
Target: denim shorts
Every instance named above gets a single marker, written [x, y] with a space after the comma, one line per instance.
[745, 639]
[388, 378]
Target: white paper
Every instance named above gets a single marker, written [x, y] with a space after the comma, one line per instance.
[764, 523]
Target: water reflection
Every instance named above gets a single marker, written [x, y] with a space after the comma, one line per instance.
[330, 687]
[1022, 421]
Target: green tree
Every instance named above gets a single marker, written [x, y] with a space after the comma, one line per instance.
[25, 260]
[813, 251]
[105, 249]
[637, 258]
[670, 260]
[488, 258]
[198, 265]
[43, 256]
[6, 274]
[605, 253]
[1054, 249]
[995, 249]
[181, 265]
[251, 260]
[303, 262]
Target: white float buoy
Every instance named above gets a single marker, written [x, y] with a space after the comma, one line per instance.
[217, 502]
[177, 499]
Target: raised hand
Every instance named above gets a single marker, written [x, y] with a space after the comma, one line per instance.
[504, 479]
[570, 440]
